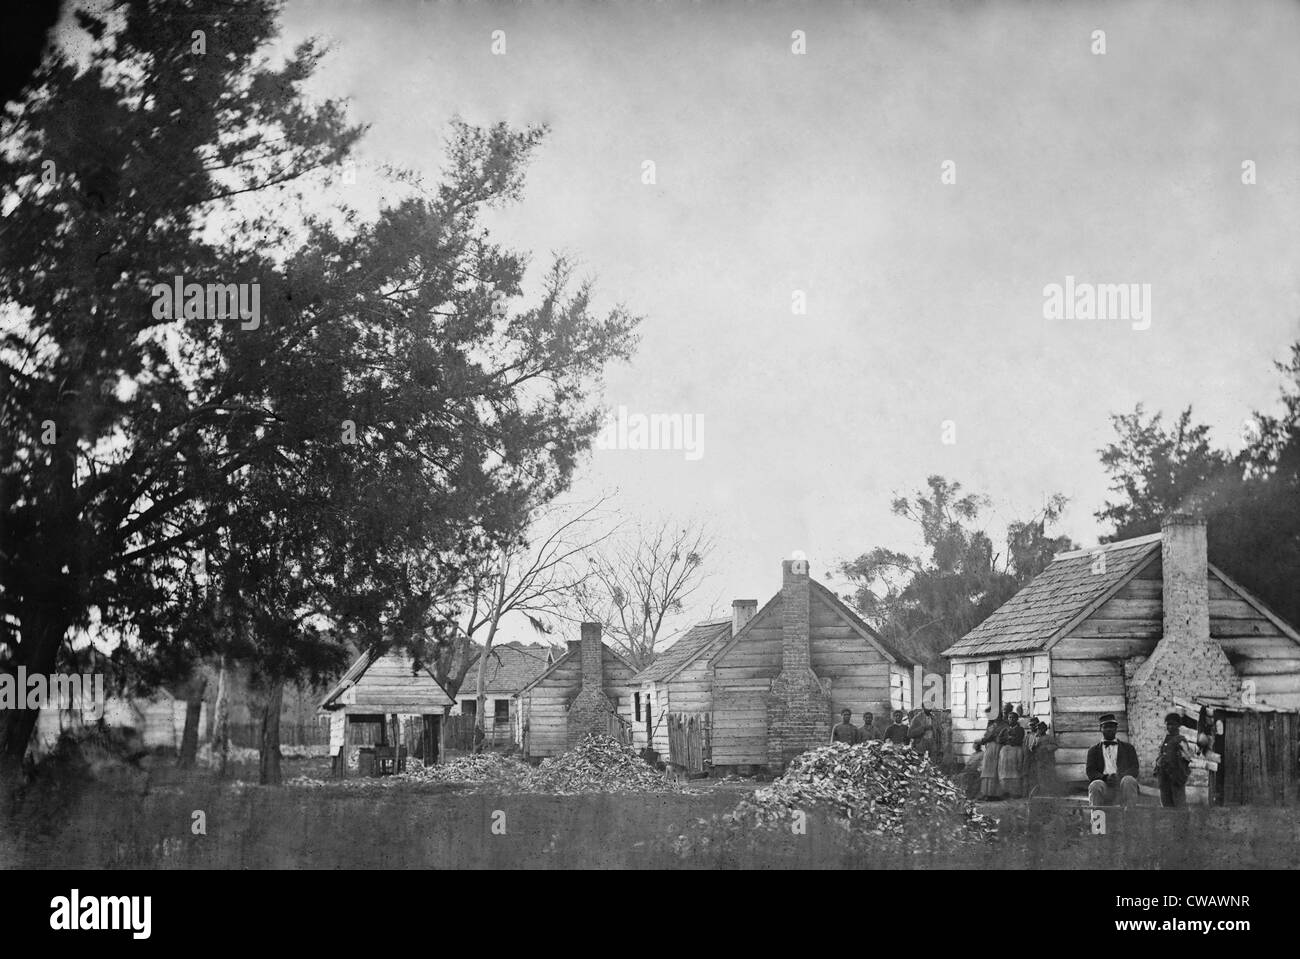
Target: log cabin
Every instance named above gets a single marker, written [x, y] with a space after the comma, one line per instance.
[680, 679]
[1129, 628]
[587, 690]
[780, 682]
[385, 683]
[510, 667]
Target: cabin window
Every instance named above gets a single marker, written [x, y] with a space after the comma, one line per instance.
[469, 707]
[636, 704]
[501, 711]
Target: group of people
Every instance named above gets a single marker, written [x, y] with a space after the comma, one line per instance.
[919, 730]
[1012, 760]
[1112, 766]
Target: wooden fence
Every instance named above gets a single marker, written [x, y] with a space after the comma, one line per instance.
[689, 743]
[249, 735]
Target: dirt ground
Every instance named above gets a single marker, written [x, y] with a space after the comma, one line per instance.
[155, 824]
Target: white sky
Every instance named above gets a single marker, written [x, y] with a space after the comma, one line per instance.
[822, 173]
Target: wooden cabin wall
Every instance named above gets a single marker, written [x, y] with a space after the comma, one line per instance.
[1088, 663]
[1257, 649]
[1088, 676]
[1026, 685]
[1025, 679]
[968, 698]
[741, 681]
[859, 678]
[900, 690]
[546, 707]
[618, 685]
[690, 691]
[859, 674]
[389, 681]
[656, 694]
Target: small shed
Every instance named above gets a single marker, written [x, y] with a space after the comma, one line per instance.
[384, 684]
[1254, 756]
[587, 690]
[1130, 628]
[780, 681]
[510, 667]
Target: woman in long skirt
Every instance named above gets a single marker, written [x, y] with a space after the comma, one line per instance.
[1045, 762]
[1011, 757]
[989, 769]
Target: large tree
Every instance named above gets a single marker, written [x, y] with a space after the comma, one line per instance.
[115, 424]
[924, 603]
[1251, 499]
[340, 463]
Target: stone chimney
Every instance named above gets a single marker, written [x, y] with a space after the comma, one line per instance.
[742, 611]
[1186, 662]
[798, 711]
[590, 710]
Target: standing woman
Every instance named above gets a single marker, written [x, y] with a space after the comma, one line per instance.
[1011, 757]
[989, 769]
[1045, 761]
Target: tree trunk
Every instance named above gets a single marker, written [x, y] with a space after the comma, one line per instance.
[270, 752]
[221, 725]
[39, 653]
[480, 717]
[193, 712]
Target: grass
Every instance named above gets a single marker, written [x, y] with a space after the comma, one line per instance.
[442, 826]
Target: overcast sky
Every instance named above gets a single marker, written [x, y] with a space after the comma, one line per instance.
[821, 172]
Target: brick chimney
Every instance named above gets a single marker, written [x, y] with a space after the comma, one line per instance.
[798, 712]
[1186, 662]
[742, 611]
[590, 710]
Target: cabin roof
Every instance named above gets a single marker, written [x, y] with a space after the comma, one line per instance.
[685, 651]
[358, 669]
[510, 667]
[1033, 617]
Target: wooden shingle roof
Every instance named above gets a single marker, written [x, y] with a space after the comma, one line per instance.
[1069, 587]
[510, 667]
[683, 652]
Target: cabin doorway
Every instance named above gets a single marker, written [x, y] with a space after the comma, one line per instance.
[432, 734]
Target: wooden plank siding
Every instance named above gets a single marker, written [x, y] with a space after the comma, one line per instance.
[389, 686]
[859, 676]
[1026, 681]
[545, 705]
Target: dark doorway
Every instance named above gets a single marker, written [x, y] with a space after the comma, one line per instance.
[432, 733]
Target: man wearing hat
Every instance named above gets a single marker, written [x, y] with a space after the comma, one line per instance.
[1112, 768]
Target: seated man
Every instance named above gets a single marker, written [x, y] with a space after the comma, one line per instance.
[1112, 768]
